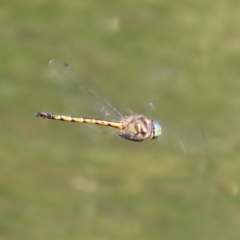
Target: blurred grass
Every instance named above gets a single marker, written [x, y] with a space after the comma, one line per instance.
[57, 182]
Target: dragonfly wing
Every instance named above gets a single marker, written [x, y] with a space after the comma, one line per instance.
[185, 138]
[80, 97]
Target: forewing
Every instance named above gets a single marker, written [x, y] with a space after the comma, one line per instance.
[82, 99]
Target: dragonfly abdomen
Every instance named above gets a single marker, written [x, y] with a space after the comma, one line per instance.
[65, 118]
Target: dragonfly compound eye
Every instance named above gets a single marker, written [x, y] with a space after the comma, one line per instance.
[157, 129]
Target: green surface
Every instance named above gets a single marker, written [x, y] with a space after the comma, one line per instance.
[66, 181]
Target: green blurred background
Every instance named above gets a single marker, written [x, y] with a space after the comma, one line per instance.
[67, 181]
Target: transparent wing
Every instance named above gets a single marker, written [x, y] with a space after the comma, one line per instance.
[82, 99]
[186, 138]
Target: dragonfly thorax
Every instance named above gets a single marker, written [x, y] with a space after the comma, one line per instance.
[139, 128]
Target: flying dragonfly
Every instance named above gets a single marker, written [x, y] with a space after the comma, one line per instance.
[135, 127]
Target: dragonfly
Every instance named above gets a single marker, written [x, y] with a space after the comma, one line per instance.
[134, 127]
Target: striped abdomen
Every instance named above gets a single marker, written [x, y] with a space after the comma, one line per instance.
[65, 118]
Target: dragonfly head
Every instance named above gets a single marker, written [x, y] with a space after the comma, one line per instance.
[156, 130]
